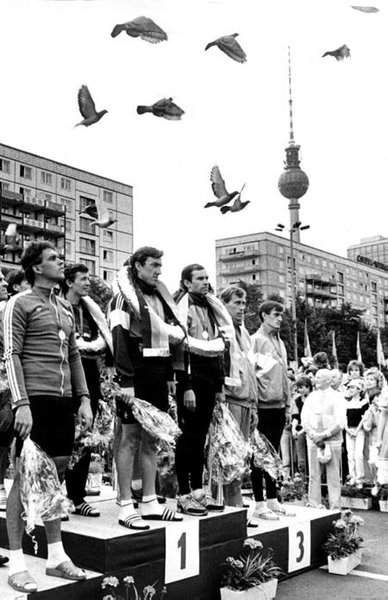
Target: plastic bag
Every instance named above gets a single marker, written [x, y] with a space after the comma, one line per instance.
[157, 423]
[228, 451]
[265, 456]
[40, 489]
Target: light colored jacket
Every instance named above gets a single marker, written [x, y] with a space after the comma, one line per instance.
[248, 390]
[270, 357]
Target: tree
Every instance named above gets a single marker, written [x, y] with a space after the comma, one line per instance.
[100, 292]
[254, 299]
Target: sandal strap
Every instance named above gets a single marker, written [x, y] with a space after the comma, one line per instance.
[86, 510]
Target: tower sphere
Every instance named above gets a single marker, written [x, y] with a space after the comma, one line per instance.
[293, 183]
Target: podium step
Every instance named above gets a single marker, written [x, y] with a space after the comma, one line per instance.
[50, 587]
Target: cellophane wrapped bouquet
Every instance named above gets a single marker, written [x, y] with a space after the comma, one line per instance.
[228, 451]
[99, 437]
[40, 489]
[166, 452]
[265, 456]
[158, 424]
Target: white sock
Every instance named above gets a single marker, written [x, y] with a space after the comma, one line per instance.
[126, 509]
[17, 561]
[260, 506]
[273, 502]
[136, 484]
[55, 554]
[198, 493]
[151, 506]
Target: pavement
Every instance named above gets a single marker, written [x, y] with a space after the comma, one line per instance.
[369, 581]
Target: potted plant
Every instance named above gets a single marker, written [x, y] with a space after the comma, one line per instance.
[351, 497]
[343, 546]
[251, 576]
[113, 589]
[383, 499]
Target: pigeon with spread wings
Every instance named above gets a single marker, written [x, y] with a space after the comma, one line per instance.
[142, 27]
[230, 46]
[165, 108]
[340, 53]
[366, 9]
[88, 108]
[103, 219]
[219, 189]
[236, 206]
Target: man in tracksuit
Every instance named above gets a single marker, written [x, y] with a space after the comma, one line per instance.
[43, 366]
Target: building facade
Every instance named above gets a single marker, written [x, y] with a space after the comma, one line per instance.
[322, 278]
[373, 249]
[44, 198]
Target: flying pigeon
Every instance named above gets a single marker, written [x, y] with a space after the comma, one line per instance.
[141, 27]
[340, 53]
[366, 9]
[230, 46]
[163, 108]
[103, 219]
[87, 107]
[219, 189]
[91, 210]
[236, 206]
[12, 240]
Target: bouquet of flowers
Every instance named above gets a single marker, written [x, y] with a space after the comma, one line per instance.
[40, 489]
[345, 539]
[111, 590]
[227, 449]
[265, 456]
[251, 568]
[157, 423]
[99, 436]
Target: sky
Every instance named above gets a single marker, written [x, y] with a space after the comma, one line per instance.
[236, 115]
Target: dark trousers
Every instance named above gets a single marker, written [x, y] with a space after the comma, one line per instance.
[77, 476]
[271, 424]
[189, 456]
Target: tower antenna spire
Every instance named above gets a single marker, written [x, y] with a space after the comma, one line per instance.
[290, 98]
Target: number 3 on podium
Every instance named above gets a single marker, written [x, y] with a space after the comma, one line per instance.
[182, 551]
[299, 546]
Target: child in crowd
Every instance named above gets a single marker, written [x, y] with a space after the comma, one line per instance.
[303, 387]
[356, 406]
[374, 384]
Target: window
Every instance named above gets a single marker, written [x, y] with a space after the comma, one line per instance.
[253, 262]
[340, 276]
[107, 235]
[46, 177]
[84, 202]
[4, 165]
[108, 275]
[48, 197]
[4, 185]
[107, 255]
[90, 264]
[374, 286]
[25, 172]
[253, 277]
[87, 246]
[86, 226]
[26, 192]
[69, 249]
[69, 226]
[68, 203]
[108, 197]
[65, 184]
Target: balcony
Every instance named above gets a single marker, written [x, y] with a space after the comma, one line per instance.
[240, 271]
[8, 198]
[319, 277]
[32, 203]
[239, 255]
[318, 293]
[54, 208]
[33, 225]
[55, 230]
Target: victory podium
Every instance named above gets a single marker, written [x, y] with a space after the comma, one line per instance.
[187, 557]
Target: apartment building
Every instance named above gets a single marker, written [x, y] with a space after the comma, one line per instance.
[44, 198]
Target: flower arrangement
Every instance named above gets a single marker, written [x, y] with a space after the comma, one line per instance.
[252, 568]
[383, 493]
[99, 437]
[293, 489]
[111, 590]
[350, 491]
[345, 540]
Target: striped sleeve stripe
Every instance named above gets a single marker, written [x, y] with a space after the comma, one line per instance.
[8, 347]
[119, 317]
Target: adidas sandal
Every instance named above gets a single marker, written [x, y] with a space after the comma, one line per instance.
[134, 522]
[86, 510]
[167, 515]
